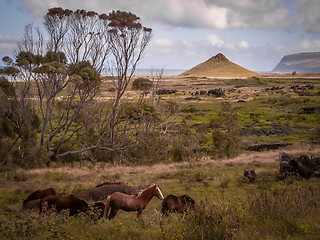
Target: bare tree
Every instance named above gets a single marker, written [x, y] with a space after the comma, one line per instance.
[128, 40]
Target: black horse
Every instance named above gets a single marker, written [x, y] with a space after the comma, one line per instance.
[180, 204]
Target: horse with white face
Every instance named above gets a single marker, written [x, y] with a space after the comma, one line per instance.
[136, 202]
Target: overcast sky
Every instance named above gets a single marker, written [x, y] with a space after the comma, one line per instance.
[255, 34]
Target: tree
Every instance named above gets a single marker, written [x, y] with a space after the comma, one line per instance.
[128, 40]
[82, 35]
[66, 84]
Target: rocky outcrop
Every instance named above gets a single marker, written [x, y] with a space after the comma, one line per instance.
[165, 91]
[306, 166]
[220, 57]
[218, 92]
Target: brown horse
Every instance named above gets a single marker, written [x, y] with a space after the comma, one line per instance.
[110, 183]
[71, 203]
[136, 202]
[39, 194]
[174, 203]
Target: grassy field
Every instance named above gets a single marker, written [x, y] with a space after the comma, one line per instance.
[228, 206]
[269, 110]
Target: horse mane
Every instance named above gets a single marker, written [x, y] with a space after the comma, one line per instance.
[139, 194]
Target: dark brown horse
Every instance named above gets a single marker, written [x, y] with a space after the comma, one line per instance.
[179, 204]
[39, 194]
[136, 202]
[110, 183]
[71, 203]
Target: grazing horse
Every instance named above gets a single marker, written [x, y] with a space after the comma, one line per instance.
[110, 183]
[136, 202]
[71, 203]
[39, 194]
[179, 204]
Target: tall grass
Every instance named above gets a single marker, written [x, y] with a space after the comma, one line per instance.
[286, 212]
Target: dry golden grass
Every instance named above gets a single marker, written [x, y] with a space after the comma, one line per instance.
[133, 175]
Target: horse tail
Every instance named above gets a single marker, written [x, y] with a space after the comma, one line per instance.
[164, 206]
[107, 206]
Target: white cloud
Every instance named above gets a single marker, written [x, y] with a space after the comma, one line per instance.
[214, 40]
[162, 42]
[303, 46]
[243, 44]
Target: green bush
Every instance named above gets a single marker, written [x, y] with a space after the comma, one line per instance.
[142, 84]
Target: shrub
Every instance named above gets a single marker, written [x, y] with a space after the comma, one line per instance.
[142, 84]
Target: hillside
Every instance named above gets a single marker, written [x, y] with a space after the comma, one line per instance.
[218, 66]
[301, 63]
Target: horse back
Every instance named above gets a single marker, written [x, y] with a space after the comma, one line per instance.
[71, 202]
[39, 194]
[110, 183]
[169, 203]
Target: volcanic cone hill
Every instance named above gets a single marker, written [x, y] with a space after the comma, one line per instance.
[218, 66]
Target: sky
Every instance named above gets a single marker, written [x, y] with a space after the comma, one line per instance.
[254, 34]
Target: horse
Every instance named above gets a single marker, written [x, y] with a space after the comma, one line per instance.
[39, 194]
[110, 183]
[71, 203]
[136, 202]
[179, 204]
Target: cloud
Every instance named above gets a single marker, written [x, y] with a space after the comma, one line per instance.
[213, 14]
[303, 46]
[161, 42]
[214, 40]
[243, 44]
[7, 43]
[307, 15]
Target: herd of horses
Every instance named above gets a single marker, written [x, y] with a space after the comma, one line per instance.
[49, 201]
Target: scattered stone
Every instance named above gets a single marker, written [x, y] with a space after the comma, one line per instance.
[165, 91]
[193, 98]
[218, 92]
[250, 174]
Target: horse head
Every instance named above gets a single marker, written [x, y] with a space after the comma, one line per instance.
[157, 192]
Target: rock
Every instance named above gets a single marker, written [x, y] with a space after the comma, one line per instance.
[250, 174]
[219, 92]
[306, 166]
[165, 91]
[221, 57]
[193, 98]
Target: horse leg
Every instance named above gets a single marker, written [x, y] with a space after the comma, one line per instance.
[113, 213]
[139, 213]
[106, 207]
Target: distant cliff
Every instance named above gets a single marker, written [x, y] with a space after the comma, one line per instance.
[301, 63]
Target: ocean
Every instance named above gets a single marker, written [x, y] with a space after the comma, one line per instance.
[150, 72]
